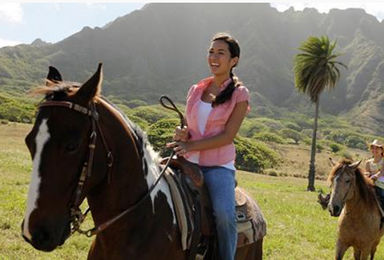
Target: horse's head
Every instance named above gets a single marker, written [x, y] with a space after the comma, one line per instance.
[343, 183]
[58, 144]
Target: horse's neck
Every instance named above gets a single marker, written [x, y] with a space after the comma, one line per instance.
[354, 203]
[357, 206]
[127, 174]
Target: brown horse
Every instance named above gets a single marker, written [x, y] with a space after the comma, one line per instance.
[83, 147]
[353, 199]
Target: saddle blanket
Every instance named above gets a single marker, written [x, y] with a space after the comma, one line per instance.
[251, 224]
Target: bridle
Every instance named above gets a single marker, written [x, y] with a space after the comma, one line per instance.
[77, 217]
[349, 189]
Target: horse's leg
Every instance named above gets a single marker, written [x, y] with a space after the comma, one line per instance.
[373, 254]
[340, 250]
[356, 253]
[374, 248]
[364, 254]
[258, 250]
[373, 251]
[251, 252]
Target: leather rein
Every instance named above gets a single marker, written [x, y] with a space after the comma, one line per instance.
[77, 217]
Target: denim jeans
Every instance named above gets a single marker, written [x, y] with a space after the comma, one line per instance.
[380, 195]
[220, 182]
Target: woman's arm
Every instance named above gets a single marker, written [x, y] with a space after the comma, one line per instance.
[367, 169]
[224, 138]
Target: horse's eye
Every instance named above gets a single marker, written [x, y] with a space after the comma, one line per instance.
[347, 181]
[71, 147]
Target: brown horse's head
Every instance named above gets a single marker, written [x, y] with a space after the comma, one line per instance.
[58, 144]
[346, 181]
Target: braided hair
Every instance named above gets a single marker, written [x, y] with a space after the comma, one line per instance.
[234, 50]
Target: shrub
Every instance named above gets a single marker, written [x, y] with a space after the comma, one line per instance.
[161, 133]
[253, 156]
[291, 134]
[269, 137]
[307, 140]
[346, 154]
[355, 141]
[335, 147]
[319, 147]
[251, 127]
[151, 114]
[135, 103]
[273, 125]
[271, 173]
[293, 126]
[303, 123]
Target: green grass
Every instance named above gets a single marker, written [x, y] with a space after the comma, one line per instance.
[15, 168]
[297, 227]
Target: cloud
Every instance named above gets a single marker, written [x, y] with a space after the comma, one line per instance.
[4, 43]
[11, 12]
[96, 6]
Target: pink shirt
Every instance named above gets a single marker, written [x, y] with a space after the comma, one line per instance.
[216, 122]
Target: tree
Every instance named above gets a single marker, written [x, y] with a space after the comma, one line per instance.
[291, 134]
[315, 69]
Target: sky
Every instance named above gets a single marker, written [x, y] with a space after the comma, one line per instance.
[23, 22]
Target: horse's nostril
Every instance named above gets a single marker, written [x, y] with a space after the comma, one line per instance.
[42, 239]
[44, 236]
[336, 210]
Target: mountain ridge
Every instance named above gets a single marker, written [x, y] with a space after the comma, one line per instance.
[161, 49]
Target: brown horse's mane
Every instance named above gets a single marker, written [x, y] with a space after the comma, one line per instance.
[363, 183]
[56, 87]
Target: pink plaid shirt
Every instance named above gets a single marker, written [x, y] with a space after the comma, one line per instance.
[215, 124]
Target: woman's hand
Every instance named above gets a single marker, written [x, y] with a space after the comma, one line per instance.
[180, 148]
[181, 134]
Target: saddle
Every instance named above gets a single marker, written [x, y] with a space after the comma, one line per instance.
[194, 211]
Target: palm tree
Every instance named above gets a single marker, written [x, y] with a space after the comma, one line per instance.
[316, 69]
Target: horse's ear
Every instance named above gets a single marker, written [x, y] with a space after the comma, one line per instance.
[332, 162]
[355, 164]
[92, 87]
[54, 74]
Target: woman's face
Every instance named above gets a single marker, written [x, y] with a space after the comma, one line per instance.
[376, 150]
[219, 58]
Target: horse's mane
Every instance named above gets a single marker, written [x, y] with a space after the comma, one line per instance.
[56, 90]
[52, 88]
[363, 183]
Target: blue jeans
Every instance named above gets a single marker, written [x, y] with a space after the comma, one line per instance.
[220, 182]
[380, 195]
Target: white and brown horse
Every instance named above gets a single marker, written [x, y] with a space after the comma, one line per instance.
[83, 147]
[353, 200]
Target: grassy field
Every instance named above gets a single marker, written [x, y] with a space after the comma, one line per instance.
[297, 226]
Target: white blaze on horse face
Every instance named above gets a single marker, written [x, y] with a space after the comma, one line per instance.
[33, 194]
[333, 193]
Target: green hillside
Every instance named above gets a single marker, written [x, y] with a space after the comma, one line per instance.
[152, 51]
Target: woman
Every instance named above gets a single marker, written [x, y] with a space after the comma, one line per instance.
[375, 168]
[216, 107]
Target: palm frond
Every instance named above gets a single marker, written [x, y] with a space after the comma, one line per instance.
[316, 67]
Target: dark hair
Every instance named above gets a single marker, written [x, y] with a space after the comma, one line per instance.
[234, 49]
